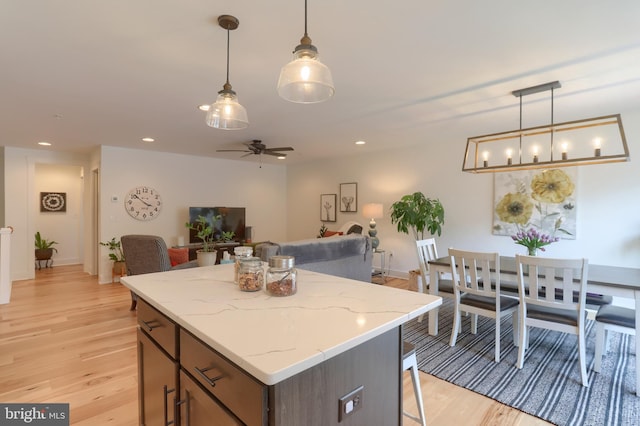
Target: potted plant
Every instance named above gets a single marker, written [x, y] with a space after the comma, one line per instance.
[117, 256]
[418, 213]
[44, 248]
[204, 230]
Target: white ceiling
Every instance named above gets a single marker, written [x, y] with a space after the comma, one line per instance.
[82, 73]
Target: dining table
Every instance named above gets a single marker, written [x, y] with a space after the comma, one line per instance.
[617, 281]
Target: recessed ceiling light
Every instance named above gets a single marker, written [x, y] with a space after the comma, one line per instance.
[360, 142]
[204, 107]
[281, 157]
[43, 143]
[148, 140]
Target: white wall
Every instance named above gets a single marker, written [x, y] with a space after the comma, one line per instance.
[22, 202]
[608, 197]
[185, 181]
[66, 227]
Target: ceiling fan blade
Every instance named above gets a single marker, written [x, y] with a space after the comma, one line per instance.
[232, 150]
[275, 154]
[282, 148]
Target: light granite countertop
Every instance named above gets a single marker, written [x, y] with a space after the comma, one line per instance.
[274, 338]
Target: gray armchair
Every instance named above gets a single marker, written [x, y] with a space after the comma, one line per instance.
[145, 254]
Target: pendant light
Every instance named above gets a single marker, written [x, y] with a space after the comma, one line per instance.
[305, 80]
[226, 113]
[587, 141]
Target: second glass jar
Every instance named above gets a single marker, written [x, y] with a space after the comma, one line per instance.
[281, 276]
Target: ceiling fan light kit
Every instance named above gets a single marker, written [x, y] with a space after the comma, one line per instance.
[305, 79]
[227, 113]
[582, 142]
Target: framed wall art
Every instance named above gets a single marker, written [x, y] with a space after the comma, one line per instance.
[328, 207]
[53, 202]
[349, 197]
[544, 200]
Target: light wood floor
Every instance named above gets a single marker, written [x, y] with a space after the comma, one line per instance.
[65, 338]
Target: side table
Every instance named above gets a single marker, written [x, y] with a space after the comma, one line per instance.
[379, 272]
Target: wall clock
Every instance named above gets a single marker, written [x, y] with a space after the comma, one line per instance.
[143, 203]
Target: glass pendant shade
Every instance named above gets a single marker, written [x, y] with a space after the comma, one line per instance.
[227, 113]
[305, 80]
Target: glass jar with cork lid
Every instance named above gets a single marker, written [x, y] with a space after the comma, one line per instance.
[281, 276]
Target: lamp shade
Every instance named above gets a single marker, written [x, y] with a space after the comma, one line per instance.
[372, 211]
[305, 80]
[226, 113]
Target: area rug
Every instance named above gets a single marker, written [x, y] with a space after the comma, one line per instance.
[549, 385]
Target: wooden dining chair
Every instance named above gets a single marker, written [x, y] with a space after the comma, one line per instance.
[476, 290]
[547, 289]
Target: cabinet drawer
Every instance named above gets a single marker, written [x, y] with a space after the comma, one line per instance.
[239, 392]
[159, 327]
[199, 408]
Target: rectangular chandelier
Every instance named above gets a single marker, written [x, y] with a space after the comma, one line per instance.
[582, 142]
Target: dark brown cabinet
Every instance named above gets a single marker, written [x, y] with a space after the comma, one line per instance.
[157, 375]
[197, 408]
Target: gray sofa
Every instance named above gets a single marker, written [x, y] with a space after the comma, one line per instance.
[347, 256]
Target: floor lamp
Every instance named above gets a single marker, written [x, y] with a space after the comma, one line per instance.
[373, 211]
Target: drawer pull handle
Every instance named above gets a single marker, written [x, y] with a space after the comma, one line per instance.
[210, 381]
[149, 326]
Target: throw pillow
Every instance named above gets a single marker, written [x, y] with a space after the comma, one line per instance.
[331, 233]
[178, 256]
[355, 229]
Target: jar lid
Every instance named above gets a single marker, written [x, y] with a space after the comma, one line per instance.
[250, 260]
[283, 262]
[243, 250]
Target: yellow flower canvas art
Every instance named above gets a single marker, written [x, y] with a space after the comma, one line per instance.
[543, 200]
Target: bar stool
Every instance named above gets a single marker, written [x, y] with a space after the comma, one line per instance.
[612, 318]
[410, 362]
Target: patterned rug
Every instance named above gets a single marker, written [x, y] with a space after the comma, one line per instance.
[549, 385]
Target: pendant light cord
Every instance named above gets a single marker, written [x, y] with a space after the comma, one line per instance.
[520, 149]
[552, 130]
[305, 19]
[228, 37]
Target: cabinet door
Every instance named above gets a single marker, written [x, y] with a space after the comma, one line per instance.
[157, 383]
[197, 408]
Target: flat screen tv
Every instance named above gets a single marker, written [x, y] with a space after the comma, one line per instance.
[231, 219]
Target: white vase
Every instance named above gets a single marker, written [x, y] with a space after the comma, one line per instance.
[206, 258]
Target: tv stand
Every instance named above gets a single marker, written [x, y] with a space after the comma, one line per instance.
[220, 247]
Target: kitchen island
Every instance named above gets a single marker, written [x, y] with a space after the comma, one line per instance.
[254, 359]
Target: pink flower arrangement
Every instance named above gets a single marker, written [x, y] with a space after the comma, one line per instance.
[533, 240]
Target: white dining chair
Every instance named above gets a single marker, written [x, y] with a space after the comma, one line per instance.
[427, 251]
[612, 318]
[547, 288]
[410, 363]
[476, 290]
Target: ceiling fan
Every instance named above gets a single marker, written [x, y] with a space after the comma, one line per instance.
[256, 147]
